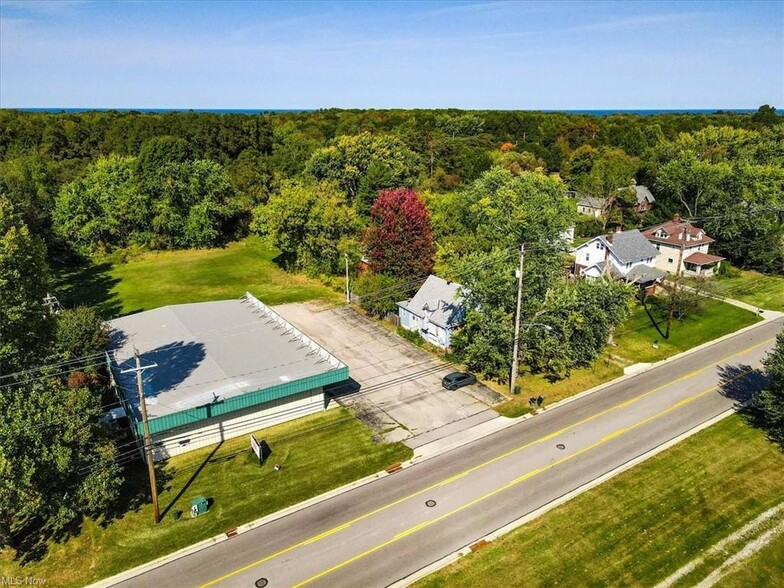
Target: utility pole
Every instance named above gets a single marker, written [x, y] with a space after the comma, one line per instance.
[516, 342]
[54, 305]
[348, 292]
[147, 440]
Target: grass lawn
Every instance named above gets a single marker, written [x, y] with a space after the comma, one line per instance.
[638, 528]
[764, 568]
[194, 275]
[634, 344]
[761, 290]
[317, 453]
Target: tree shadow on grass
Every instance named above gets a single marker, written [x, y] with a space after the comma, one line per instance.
[88, 284]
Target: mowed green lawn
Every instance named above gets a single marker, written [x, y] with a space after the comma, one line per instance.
[317, 453]
[634, 343]
[643, 525]
[194, 275]
[761, 290]
[764, 568]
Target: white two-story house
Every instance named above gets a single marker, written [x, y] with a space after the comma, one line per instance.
[624, 255]
[683, 248]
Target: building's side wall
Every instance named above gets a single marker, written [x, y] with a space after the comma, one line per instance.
[590, 253]
[668, 255]
[590, 211]
[242, 422]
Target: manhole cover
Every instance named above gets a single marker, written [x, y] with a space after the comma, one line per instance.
[261, 582]
[561, 446]
[430, 503]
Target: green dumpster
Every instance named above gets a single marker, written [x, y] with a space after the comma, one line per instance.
[198, 506]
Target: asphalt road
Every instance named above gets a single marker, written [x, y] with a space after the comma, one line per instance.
[386, 530]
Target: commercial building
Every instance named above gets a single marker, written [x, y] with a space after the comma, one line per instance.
[224, 369]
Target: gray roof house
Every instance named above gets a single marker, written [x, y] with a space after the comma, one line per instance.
[623, 254]
[434, 311]
[591, 206]
[644, 197]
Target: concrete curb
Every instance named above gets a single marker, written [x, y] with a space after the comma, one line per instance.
[156, 563]
[475, 433]
[456, 555]
[422, 453]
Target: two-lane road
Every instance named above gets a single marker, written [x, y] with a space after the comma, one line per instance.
[388, 529]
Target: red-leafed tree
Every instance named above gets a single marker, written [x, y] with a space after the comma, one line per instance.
[399, 239]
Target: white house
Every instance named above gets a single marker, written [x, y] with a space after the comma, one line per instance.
[623, 255]
[434, 311]
[683, 248]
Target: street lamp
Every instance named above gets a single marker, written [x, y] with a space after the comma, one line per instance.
[515, 354]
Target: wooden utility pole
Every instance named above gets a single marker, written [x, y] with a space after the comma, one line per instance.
[516, 342]
[348, 292]
[147, 439]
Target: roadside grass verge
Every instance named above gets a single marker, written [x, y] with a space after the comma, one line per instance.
[633, 343]
[161, 278]
[761, 290]
[764, 568]
[317, 453]
[639, 527]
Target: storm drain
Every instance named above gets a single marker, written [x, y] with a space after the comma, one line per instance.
[561, 446]
[430, 503]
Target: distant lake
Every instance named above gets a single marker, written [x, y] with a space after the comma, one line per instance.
[600, 112]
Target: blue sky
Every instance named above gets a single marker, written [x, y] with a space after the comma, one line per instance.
[509, 55]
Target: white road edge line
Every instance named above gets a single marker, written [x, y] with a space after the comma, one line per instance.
[455, 555]
[196, 547]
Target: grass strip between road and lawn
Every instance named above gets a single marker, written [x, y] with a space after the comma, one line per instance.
[317, 454]
[641, 526]
[634, 343]
[156, 279]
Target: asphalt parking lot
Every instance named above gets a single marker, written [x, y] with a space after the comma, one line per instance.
[396, 386]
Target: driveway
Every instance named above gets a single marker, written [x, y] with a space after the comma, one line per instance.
[395, 386]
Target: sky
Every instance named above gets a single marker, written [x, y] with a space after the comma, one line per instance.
[306, 55]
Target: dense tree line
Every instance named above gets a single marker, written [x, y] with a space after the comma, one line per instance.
[57, 463]
[49, 157]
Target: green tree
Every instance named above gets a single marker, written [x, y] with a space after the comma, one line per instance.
[581, 316]
[379, 293]
[613, 169]
[25, 325]
[104, 209]
[56, 463]
[766, 115]
[79, 332]
[311, 224]
[767, 407]
[346, 160]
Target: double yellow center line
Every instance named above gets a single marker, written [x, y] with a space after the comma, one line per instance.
[496, 459]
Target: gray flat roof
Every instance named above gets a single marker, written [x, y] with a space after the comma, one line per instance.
[211, 351]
